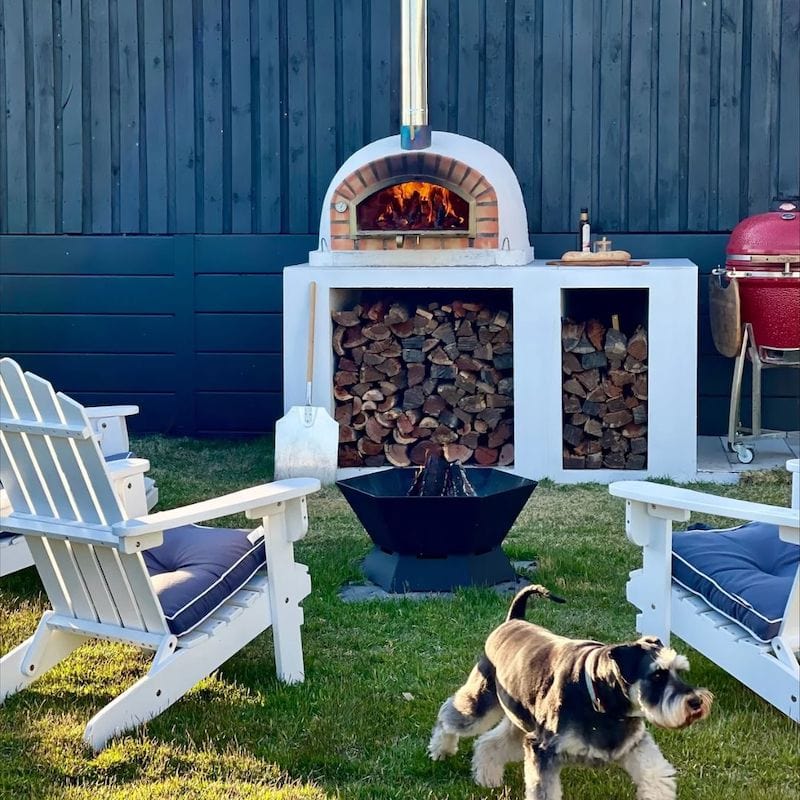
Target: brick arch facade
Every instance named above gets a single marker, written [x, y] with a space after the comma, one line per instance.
[472, 184]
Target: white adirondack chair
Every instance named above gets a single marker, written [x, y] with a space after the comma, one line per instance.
[137, 491]
[769, 669]
[88, 552]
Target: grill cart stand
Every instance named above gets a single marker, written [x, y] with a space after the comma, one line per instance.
[760, 358]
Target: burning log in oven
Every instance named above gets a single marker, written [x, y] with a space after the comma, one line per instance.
[604, 396]
[414, 206]
[410, 379]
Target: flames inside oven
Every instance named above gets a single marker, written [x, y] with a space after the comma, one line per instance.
[414, 206]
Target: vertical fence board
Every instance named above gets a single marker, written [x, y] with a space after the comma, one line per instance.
[183, 74]
[553, 139]
[730, 110]
[297, 36]
[323, 165]
[156, 116]
[639, 117]
[212, 116]
[524, 130]
[612, 113]
[129, 133]
[438, 33]
[583, 113]
[44, 119]
[699, 117]
[763, 62]
[789, 157]
[241, 144]
[100, 89]
[272, 109]
[668, 115]
[3, 134]
[470, 56]
[380, 78]
[496, 58]
[16, 122]
[72, 141]
[352, 77]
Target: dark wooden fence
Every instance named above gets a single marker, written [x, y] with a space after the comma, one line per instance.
[192, 117]
[218, 116]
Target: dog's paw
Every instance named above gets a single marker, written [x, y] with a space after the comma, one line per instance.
[488, 775]
[442, 744]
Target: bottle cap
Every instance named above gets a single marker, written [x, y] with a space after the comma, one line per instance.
[584, 211]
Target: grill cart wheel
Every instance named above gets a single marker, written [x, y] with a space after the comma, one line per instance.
[743, 453]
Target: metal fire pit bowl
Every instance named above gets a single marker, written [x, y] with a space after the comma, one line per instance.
[436, 543]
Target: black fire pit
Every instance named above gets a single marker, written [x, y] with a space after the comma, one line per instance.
[436, 543]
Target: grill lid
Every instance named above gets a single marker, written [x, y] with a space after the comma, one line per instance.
[772, 238]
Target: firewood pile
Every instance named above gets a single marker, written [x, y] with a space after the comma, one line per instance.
[604, 396]
[411, 379]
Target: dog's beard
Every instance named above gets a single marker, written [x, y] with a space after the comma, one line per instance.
[673, 709]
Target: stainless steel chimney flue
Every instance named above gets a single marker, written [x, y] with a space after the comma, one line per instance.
[415, 133]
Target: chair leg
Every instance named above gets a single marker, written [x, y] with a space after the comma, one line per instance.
[172, 675]
[30, 660]
[289, 583]
[163, 685]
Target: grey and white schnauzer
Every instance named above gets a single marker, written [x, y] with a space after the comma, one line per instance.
[546, 699]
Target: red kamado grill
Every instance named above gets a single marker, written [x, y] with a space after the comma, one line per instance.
[763, 256]
[755, 309]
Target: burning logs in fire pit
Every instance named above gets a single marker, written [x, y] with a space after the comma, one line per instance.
[438, 478]
[605, 396]
[409, 380]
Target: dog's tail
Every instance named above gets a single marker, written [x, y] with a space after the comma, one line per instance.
[517, 608]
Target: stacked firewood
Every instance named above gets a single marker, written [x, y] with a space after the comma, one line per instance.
[409, 380]
[604, 396]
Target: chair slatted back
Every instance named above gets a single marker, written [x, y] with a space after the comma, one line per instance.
[52, 468]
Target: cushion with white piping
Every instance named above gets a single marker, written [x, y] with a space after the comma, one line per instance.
[196, 569]
[745, 573]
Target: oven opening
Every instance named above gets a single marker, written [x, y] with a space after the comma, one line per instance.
[415, 206]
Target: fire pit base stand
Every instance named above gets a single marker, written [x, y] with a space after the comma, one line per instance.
[396, 573]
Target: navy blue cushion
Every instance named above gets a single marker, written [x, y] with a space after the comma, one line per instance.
[745, 573]
[197, 569]
[119, 456]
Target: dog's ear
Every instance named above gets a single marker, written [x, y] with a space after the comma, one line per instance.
[653, 640]
[629, 658]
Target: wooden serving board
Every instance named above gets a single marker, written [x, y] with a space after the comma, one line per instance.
[597, 263]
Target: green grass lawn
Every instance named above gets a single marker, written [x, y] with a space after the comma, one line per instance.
[376, 672]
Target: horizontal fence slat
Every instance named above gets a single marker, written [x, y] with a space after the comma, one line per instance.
[254, 293]
[56, 334]
[223, 333]
[79, 294]
[231, 372]
[230, 412]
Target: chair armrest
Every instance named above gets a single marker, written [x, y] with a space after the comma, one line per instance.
[125, 467]
[673, 497]
[95, 412]
[253, 501]
[110, 428]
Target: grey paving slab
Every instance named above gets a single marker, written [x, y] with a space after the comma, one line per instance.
[361, 592]
[716, 464]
